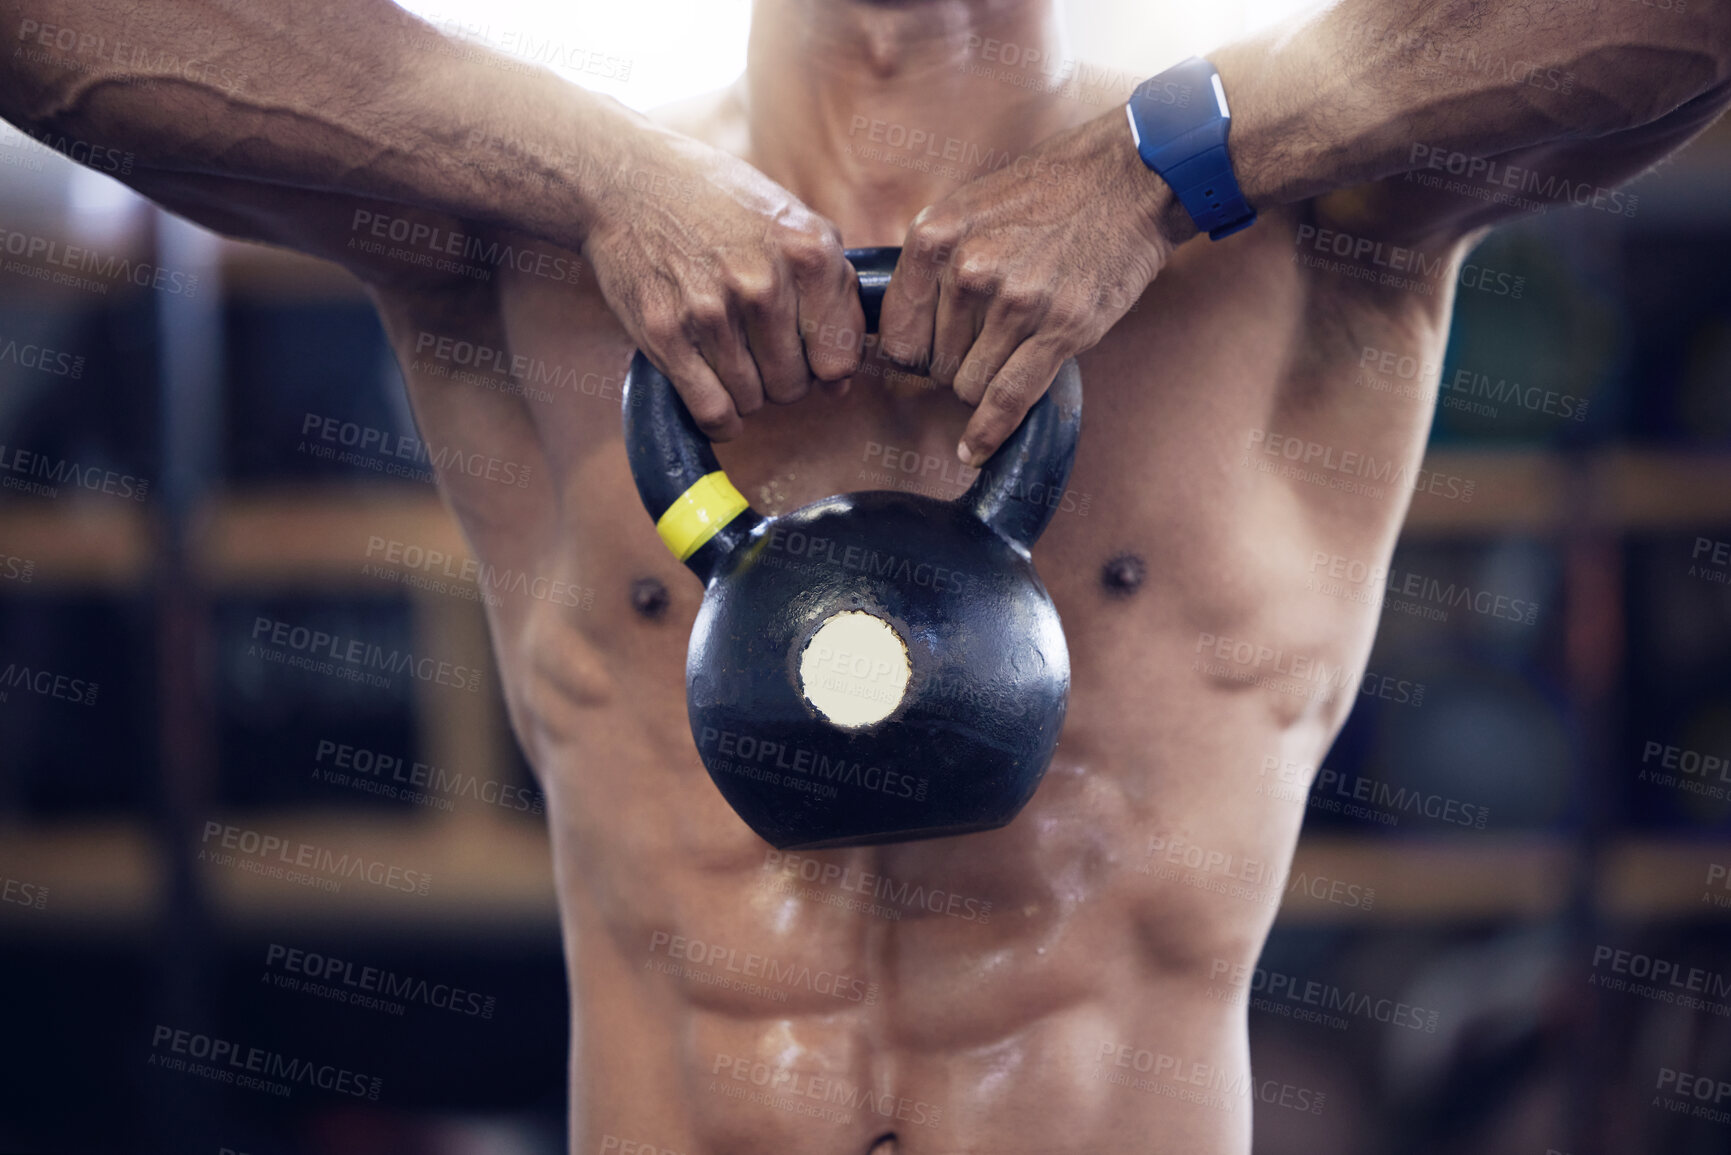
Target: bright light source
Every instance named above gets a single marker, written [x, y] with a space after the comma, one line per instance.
[652, 52]
[643, 54]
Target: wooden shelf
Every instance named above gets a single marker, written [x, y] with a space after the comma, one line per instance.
[1505, 876]
[301, 540]
[110, 878]
[79, 543]
[1531, 491]
[101, 877]
[495, 870]
[1515, 491]
[1473, 877]
[319, 536]
[1663, 878]
[1667, 491]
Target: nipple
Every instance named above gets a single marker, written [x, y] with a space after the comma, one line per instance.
[649, 598]
[1123, 575]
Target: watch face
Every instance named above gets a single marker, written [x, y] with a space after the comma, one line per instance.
[1180, 100]
[1163, 89]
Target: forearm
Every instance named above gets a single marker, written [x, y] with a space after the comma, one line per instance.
[1367, 89]
[356, 97]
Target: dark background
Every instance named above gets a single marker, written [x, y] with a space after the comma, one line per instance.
[1496, 931]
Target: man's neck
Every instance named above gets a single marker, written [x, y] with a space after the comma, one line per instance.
[867, 109]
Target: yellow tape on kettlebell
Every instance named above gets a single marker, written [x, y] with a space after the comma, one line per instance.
[696, 515]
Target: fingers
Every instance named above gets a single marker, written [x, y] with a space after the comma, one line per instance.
[741, 338]
[985, 359]
[958, 307]
[775, 348]
[694, 338]
[1024, 378]
[710, 404]
[969, 321]
[908, 321]
[831, 323]
[959, 319]
[726, 350]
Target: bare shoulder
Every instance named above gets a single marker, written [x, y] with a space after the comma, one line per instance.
[716, 118]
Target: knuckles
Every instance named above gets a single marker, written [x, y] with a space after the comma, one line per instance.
[707, 312]
[711, 410]
[1005, 399]
[809, 247]
[1066, 323]
[831, 364]
[756, 289]
[784, 387]
[976, 276]
[663, 332]
[935, 234]
[1024, 297]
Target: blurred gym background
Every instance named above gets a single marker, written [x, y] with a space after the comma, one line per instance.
[1537, 959]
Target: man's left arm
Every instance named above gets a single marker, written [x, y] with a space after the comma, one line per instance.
[1006, 277]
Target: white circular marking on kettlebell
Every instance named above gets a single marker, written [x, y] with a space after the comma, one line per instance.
[855, 669]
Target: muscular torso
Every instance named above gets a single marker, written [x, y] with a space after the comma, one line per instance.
[1041, 988]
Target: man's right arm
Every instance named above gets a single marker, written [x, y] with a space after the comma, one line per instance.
[280, 111]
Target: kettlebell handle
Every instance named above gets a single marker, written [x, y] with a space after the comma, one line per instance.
[702, 517]
[872, 269]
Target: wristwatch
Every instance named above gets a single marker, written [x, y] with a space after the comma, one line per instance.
[1179, 120]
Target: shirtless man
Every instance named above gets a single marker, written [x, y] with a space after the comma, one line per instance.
[727, 999]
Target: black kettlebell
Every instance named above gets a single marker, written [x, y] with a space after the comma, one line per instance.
[874, 667]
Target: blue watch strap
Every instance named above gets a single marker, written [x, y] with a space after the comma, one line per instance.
[1180, 120]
